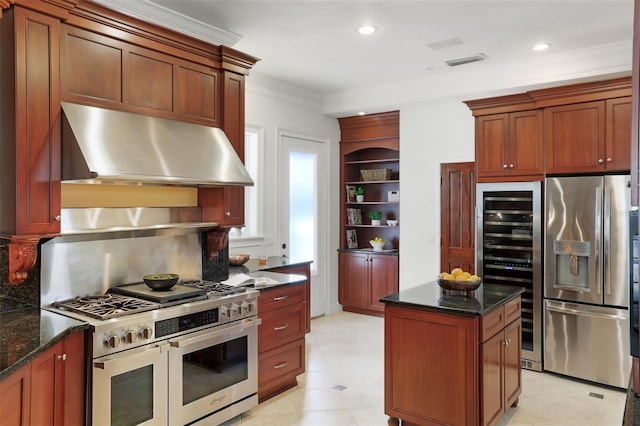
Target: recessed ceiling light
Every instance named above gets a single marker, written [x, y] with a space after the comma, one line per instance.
[541, 46]
[367, 29]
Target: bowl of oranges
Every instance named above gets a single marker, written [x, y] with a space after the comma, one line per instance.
[458, 280]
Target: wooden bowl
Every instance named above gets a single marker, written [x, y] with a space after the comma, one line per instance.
[160, 281]
[238, 259]
[459, 285]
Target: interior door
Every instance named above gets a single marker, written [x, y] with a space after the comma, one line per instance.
[303, 210]
[457, 218]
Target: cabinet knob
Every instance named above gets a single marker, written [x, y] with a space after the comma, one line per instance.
[227, 213]
[504, 166]
[511, 166]
[600, 161]
[62, 357]
[609, 159]
[57, 218]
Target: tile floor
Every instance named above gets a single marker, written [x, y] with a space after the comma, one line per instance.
[344, 385]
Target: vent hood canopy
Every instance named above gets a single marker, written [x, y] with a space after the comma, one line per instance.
[101, 145]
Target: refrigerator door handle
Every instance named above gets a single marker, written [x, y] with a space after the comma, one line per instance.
[598, 236]
[576, 311]
[607, 239]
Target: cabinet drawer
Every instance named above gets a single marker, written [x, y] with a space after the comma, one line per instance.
[280, 296]
[492, 323]
[512, 310]
[281, 326]
[283, 361]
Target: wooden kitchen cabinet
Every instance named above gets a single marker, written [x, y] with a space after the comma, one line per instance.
[50, 390]
[431, 355]
[369, 142]
[500, 354]
[30, 130]
[510, 145]
[364, 278]
[303, 268]
[281, 343]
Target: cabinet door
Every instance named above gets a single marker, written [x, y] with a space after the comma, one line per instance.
[354, 290]
[512, 360]
[37, 123]
[575, 137]
[491, 136]
[47, 374]
[74, 379]
[618, 139]
[15, 400]
[383, 277]
[524, 152]
[492, 353]
[234, 128]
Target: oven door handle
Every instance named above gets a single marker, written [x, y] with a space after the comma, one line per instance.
[105, 362]
[218, 331]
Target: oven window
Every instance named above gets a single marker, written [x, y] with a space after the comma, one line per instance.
[212, 369]
[132, 397]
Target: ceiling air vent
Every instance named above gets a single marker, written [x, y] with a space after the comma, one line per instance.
[467, 60]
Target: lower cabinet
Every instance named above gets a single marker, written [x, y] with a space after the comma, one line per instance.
[50, 390]
[364, 278]
[430, 356]
[281, 343]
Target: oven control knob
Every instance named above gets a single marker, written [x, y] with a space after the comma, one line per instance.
[112, 341]
[145, 332]
[237, 310]
[226, 312]
[247, 308]
[129, 336]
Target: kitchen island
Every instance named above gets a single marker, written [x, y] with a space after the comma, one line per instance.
[451, 358]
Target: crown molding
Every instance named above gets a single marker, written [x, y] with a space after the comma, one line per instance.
[148, 11]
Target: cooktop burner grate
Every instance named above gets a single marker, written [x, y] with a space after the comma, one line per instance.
[106, 306]
[214, 288]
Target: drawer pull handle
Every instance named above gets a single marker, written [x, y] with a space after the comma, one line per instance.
[282, 327]
[277, 299]
[281, 365]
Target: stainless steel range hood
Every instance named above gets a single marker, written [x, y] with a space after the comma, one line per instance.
[106, 146]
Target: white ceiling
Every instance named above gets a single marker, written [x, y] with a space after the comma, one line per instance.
[315, 45]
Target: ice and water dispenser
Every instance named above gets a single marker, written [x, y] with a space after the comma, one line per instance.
[572, 264]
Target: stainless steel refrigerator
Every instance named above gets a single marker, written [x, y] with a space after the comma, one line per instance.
[509, 252]
[586, 278]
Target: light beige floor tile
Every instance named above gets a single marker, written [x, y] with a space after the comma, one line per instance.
[347, 350]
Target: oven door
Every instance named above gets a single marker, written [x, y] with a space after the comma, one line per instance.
[130, 387]
[213, 369]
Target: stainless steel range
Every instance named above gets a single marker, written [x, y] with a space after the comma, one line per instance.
[182, 356]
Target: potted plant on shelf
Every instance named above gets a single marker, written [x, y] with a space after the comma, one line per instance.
[375, 217]
[359, 194]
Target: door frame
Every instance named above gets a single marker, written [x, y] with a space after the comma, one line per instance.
[323, 209]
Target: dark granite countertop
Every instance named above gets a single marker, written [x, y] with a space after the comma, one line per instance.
[369, 250]
[431, 297]
[253, 265]
[26, 331]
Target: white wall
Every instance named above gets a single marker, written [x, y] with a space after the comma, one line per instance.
[430, 134]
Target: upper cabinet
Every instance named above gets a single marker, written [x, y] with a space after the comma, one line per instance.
[29, 123]
[581, 128]
[510, 144]
[589, 136]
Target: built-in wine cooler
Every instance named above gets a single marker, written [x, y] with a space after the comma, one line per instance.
[509, 252]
